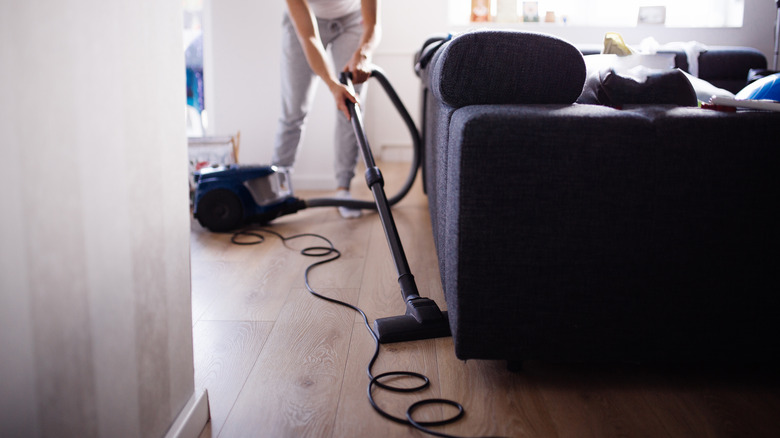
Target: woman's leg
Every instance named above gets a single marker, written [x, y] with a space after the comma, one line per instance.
[297, 92]
[343, 46]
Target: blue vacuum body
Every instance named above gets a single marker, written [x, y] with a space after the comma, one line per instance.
[227, 197]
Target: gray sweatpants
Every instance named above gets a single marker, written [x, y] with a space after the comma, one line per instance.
[342, 37]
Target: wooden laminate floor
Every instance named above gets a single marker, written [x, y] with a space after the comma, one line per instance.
[278, 362]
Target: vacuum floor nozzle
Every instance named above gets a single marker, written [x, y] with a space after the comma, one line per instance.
[423, 320]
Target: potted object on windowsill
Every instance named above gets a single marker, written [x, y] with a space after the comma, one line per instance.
[480, 11]
[530, 12]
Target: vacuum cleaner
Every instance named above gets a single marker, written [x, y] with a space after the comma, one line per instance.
[229, 197]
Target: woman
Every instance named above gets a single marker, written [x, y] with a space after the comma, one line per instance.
[351, 30]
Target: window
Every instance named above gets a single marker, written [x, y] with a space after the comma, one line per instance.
[617, 13]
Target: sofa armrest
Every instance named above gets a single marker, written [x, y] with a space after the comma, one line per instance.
[506, 67]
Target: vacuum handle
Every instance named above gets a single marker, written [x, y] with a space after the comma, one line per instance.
[356, 117]
[376, 182]
[376, 73]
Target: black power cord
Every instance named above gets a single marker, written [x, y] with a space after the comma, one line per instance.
[374, 381]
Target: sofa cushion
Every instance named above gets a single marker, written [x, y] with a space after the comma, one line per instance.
[506, 67]
[607, 87]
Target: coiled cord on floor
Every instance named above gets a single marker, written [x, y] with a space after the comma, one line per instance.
[330, 251]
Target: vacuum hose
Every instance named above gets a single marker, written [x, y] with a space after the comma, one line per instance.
[417, 148]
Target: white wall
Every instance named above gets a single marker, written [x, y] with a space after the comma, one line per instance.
[406, 25]
[242, 67]
[95, 316]
[244, 95]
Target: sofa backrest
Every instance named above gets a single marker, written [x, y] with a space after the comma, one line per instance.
[725, 67]
[728, 67]
[506, 67]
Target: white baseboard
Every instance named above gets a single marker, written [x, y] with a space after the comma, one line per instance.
[192, 418]
[313, 182]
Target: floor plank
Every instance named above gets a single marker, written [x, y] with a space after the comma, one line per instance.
[355, 416]
[225, 352]
[497, 402]
[294, 387]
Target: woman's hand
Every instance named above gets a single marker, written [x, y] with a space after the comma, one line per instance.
[359, 66]
[342, 95]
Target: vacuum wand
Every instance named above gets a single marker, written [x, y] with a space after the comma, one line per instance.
[423, 319]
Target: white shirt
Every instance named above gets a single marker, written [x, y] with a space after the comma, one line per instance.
[330, 9]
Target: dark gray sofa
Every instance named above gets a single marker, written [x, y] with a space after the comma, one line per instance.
[571, 232]
[723, 66]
